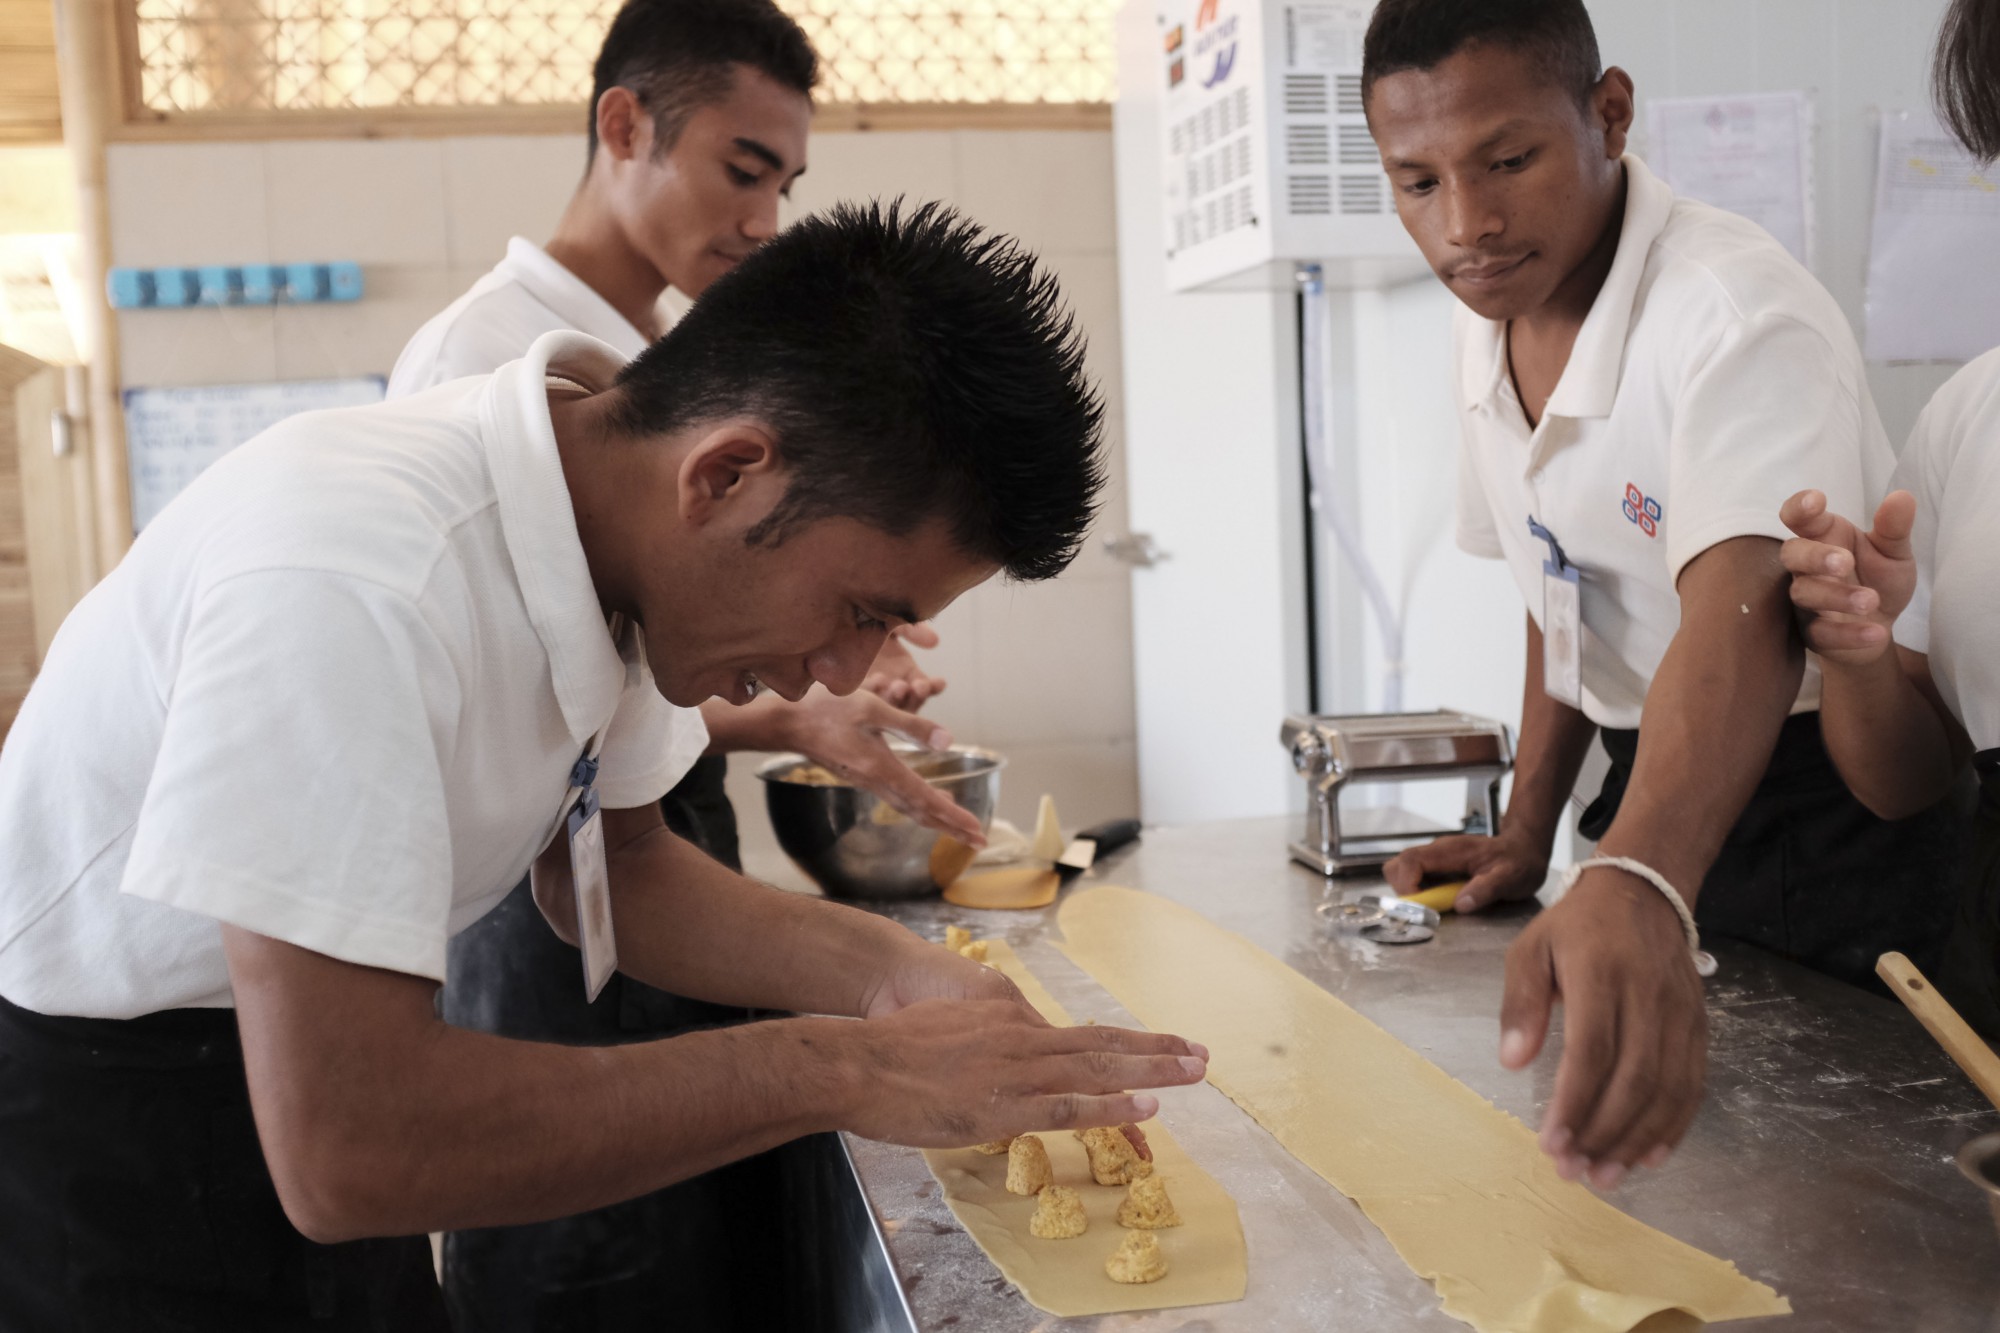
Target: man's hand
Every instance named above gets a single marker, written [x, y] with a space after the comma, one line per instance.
[944, 1074]
[846, 735]
[1635, 1045]
[1498, 869]
[1849, 586]
[923, 971]
[896, 677]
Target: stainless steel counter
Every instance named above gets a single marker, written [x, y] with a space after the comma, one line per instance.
[1821, 1162]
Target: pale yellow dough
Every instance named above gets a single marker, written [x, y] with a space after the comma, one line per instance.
[1028, 1167]
[976, 951]
[997, 1148]
[956, 938]
[1147, 1207]
[1459, 1187]
[1209, 1264]
[1058, 1215]
[1113, 1159]
[1137, 1259]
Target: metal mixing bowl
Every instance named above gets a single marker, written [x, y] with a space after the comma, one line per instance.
[854, 844]
[1980, 1161]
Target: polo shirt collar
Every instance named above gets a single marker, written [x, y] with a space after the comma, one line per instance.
[576, 301]
[539, 524]
[1589, 383]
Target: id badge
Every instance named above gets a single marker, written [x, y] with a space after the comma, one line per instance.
[1562, 636]
[593, 894]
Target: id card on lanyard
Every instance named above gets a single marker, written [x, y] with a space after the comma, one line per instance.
[589, 874]
[1562, 623]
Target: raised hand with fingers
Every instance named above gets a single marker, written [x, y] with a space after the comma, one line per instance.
[1848, 585]
[896, 677]
[847, 734]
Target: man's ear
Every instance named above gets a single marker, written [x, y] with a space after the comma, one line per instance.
[624, 130]
[733, 469]
[1612, 109]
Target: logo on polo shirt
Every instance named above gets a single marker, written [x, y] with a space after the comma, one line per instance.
[1642, 509]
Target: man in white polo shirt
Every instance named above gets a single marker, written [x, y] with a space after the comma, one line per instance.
[377, 661]
[1644, 379]
[697, 132]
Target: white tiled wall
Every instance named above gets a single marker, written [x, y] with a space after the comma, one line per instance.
[1042, 673]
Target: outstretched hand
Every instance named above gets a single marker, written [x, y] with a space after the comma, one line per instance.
[896, 677]
[847, 735]
[1848, 585]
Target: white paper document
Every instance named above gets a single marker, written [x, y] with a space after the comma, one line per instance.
[1934, 257]
[1751, 155]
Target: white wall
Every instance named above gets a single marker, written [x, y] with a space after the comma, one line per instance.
[1042, 673]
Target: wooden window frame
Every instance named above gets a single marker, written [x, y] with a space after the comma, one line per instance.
[138, 123]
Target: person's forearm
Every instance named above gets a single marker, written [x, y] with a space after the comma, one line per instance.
[1548, 755]
[1890, 744]
[683, 920]
[1713, 713]
[446, 1128]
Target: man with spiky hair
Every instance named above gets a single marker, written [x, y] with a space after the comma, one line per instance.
[377, 662]
[1643, 379]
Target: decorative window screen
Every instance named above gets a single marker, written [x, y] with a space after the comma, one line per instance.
[237, 56]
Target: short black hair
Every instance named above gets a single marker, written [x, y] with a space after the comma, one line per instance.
[911, 366]
[1965, 75]
[1422, 34]
[677, 56]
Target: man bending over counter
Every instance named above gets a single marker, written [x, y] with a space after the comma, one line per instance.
[1643, 380]
[372, 665]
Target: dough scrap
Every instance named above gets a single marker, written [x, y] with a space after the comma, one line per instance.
[1028, 1167]
[976, 951]
[1459, 1187]
[1147, 1207]
[1113, 1159]
[813, 775]
[1068, 1281]
[1015, 888]
[1137, 1259]
[956, 938]
[1058, 1215]
[995, 1148]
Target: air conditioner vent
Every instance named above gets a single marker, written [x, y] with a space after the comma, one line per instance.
[1309, 146]
[1305, 95]
[1309, 194]
[1361, 194]
[1347, 88]
[1357, 146]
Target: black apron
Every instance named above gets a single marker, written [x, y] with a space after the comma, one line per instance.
[134, 1196]
[1809, 873]
[1970, 975]
[680, 1249]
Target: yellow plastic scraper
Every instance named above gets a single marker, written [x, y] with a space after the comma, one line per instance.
[1438, 897]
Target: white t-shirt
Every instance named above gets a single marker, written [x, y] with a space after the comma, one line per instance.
[1952, 466]
[1712, 378]
[333, 695]
[524, 296]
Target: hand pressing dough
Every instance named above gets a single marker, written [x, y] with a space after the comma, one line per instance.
[1460, 1188]
[1137, 1259]
[1058, 1215]
[1209, 1264]
[1027, 1166]
[1147, 1207]
[1113, 1159]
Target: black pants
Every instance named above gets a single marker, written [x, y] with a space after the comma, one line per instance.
[1809, 873]
[1970, 973]
[134, 1196]
[673, 1259]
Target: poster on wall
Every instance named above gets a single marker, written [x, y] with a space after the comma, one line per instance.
[1751, 155]
[172, 434]
[1933, 288]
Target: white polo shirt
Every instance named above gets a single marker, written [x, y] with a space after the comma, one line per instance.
[333, 695]
[1712, 378]
[524, 296]
[1952, 466]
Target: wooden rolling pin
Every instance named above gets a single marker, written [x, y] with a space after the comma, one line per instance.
[1960, 1042]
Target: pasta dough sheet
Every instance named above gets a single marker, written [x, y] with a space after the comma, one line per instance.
[1459, 1187]
[1205, 1256]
